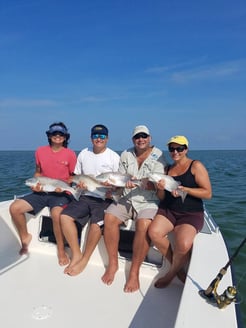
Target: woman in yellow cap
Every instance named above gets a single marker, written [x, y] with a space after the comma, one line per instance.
[184, 217]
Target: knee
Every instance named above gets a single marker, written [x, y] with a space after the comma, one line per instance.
[184, 246]
[142, 225]
[12, 208]
[15, 208]
[154, 233]
[111, 220]
[56, 218]
[63, 219]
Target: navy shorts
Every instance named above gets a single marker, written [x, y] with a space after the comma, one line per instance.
[38, 200]
[196, 219]
[87, 208]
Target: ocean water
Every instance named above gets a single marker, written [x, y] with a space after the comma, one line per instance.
[227, 170]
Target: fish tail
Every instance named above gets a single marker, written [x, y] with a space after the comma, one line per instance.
[182, 194]
[77, 193]
[116, 197]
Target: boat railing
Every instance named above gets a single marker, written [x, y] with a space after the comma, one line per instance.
[210, 225]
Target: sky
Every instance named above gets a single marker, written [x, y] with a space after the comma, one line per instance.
[178, 67]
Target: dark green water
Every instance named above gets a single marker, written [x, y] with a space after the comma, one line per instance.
[227, 170]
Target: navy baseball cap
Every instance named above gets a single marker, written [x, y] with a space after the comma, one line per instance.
[99, 129]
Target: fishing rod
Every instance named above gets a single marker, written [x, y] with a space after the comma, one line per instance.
[229, 295]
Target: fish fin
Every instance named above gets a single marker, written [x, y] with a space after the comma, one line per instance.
[139, 182]
[143, 183]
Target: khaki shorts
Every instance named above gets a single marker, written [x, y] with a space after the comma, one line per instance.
[124, 211]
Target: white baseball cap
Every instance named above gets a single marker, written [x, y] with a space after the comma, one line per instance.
[140, 129]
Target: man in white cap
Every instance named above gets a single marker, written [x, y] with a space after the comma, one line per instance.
[137, 203]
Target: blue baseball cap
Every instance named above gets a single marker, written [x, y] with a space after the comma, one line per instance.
[57, 128]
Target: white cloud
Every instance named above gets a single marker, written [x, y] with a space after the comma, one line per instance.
[207, 72]
[193, 70]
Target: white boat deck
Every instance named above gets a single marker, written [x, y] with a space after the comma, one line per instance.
[36, 293]
[201, 273]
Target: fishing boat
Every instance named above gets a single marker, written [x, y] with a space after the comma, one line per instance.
[35, 292]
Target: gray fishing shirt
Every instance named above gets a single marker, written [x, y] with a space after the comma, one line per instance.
[154, 163]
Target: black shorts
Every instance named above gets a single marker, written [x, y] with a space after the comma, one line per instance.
[87, 208]
[39, 200]
[196, 219]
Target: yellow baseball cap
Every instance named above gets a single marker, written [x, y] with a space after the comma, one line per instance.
[181, 140]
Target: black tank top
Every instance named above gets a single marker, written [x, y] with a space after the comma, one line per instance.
[190, 204]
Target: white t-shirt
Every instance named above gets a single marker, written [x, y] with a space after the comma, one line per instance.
[90, 163]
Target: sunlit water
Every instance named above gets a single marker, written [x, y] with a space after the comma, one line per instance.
[227, 170]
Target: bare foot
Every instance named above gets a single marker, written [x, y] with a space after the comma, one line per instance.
[63, 258]
[77, 268]
[109, 274]
[132, 284]
[24, 245]
[182, 275]
[74, 260]
[164, 281]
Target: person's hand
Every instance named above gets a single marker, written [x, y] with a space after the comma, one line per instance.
[37, 188]
[160, 185]
[130, 184]
[58, 189]
[176, 193]
[70, 180]
[109, 194]
[82, 185]
[106, 184]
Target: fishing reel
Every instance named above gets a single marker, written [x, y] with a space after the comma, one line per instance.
[230, 294]
[226, 298]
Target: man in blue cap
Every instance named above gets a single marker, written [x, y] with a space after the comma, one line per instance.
[92, 161]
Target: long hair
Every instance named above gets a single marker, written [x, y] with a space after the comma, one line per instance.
[58, 127]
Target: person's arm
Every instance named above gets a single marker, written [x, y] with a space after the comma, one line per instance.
[37, 172]
[160, 189]
[204, 189]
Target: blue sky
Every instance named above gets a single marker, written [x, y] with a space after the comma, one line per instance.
[178, 67]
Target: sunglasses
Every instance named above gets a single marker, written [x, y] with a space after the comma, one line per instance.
[99, 136]
[140, 135]
[179, 149]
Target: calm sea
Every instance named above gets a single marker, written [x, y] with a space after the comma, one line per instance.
[227, 170]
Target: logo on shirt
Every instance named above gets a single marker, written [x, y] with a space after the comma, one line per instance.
[65, 163]
[154, 156]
